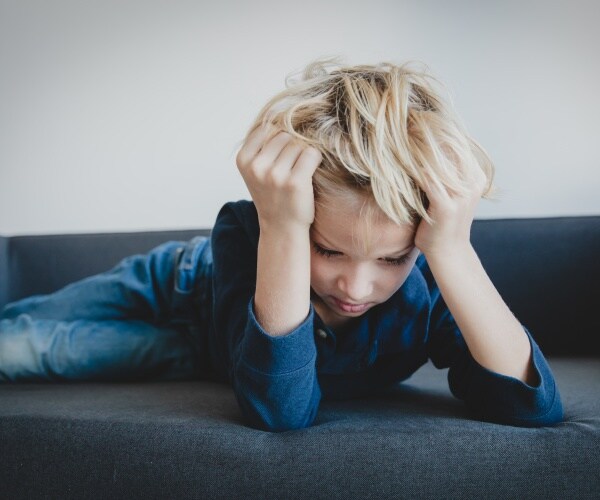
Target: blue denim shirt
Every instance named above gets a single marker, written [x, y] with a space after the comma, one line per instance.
[280, 381]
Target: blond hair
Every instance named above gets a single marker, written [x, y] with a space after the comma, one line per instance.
[379, 128]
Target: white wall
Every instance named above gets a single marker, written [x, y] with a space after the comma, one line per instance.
[125, 115]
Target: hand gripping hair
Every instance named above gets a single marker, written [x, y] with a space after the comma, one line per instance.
[379, 128]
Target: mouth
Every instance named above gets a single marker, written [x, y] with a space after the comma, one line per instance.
[352, 308]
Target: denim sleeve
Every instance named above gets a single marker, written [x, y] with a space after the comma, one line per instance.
[489, 395]
[274, 378]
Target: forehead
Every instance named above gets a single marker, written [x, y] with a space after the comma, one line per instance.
[349, 226]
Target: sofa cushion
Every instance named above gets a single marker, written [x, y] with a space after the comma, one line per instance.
[188, 439]
[547, 271]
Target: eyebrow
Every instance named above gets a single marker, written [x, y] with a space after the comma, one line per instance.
[393, 255]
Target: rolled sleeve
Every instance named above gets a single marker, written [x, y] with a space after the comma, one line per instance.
[489, 395]
[275, 378]
[504, 399]
[278, 354]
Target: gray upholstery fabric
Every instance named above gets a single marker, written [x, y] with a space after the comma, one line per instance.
[45, 263]
[547, 271]
[188, 440]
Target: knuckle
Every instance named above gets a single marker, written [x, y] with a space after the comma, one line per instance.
[318, 153]
[240, 160]
[314, 152]
[273, 178]
[292, 184]
[255, 165]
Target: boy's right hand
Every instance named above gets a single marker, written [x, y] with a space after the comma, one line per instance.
[278, 172]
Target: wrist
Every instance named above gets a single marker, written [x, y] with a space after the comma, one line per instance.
[448, 251]
[285, 228]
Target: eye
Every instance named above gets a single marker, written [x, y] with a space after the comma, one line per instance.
[322, 251]
[330, 253]
[399, 261]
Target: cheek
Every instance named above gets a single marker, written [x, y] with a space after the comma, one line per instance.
[398, 278]
[390, 281]
[320, 272]
[395, 277]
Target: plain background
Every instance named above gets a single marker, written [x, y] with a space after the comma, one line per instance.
[126, 115]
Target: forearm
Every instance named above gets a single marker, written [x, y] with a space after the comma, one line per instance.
[282, 297]
[495, 338]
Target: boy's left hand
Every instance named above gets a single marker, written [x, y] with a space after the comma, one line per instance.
[452, 215]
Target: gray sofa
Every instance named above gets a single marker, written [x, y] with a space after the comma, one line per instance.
[188, 439]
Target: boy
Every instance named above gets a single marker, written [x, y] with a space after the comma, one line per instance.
[350, 268]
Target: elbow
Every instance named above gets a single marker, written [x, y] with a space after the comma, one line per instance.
[274, 418]
[535, 416]
[273, 410]
[551, 416]
[503, 399]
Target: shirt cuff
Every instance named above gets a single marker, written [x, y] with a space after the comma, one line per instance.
[507, 399]
[282, 354]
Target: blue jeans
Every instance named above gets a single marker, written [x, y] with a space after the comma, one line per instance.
[143, 319]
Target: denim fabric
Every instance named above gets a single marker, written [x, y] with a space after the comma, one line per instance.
[143, 319]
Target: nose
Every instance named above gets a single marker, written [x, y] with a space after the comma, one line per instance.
[356, 284]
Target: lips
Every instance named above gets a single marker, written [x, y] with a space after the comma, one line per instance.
[350, 307]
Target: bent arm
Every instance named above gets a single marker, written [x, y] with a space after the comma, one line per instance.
[282, 298]
[489, 394]
[273, 376]
[494, 336]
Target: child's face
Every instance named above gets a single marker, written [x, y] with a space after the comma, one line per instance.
[353, 275]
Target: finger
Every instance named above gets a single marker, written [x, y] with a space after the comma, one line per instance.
[255, 141]
[287, 158]
[271, 150]
[467, 170]
[435, 191]
[307, 163]
[474, 177]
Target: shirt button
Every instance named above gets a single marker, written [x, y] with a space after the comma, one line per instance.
[322, 333]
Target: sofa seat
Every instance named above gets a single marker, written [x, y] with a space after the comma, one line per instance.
[416, 440]
[187, 440]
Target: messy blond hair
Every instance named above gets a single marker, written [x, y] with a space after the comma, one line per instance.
[378, 127]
